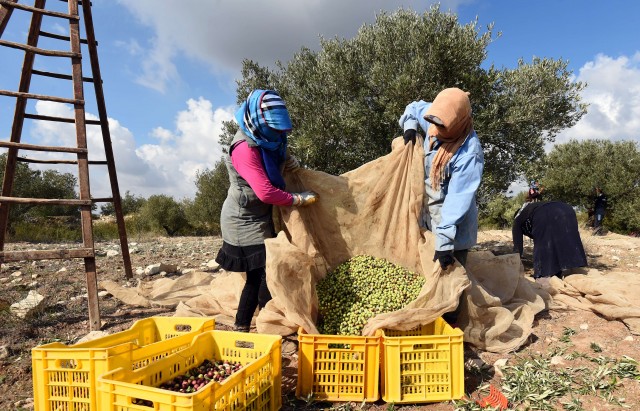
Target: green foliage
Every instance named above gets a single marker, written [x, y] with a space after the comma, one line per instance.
[43, 230]
[163, 212]
[346, 98]
[203, 212]
[576, 168]
[499, 212]
[130, 204]
[135, 227]
[32, 183]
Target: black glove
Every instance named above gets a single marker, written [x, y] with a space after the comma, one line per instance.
[409, 136]
[445, 258]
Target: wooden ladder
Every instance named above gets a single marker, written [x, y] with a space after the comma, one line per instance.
[84, 202]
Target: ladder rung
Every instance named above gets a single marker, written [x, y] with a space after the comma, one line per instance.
[79, 2]
[60, 76]
[40, 97]
[45, 201]
[8, 256]
[37, 50]
[7, 3]
[61, 37]
[38, 161]
[32, 147]
[59, 119]
[102, 200]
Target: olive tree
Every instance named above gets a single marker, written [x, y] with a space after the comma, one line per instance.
[163, 212]
[28, 182]
[346, 98]
[203, 212]
[574, 170]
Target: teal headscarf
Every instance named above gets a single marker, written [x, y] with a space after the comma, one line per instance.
[264, 118]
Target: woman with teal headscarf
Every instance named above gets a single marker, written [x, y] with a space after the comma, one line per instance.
[257, 157]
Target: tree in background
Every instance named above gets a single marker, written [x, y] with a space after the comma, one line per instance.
[574, 169]
[130, 204]
[345, 100]
[32, 183]
[163, 212]
[203, 212]
[500, 211]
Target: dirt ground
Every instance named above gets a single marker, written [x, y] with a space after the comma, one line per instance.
[63, 317]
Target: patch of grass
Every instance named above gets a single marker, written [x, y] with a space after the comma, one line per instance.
[595, 347]
[566, 334]
[53, 231]
[532, 383]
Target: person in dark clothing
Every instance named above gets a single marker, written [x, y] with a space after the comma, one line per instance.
[599, 209]
[553, 226]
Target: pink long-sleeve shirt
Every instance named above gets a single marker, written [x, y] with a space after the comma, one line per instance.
[248, 163]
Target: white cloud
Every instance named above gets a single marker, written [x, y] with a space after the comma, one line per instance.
[168, 167]
[223, 33]
[613, 95]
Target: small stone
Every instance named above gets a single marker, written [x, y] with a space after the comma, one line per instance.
[32, 284]
[112, 253]
[4, 280]
[34, 276]
[557, 360]
[139, 271]
[24, 306]
[584, 326]
[159, 267]
[628, 338]
[4, 352]
[62, 270]
[103, 293]
[499, 366]
[213, 265]
[615, 258]
[16, 274]
[101, 253]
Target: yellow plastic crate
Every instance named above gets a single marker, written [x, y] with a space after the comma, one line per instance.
[338, 367]
[422, 365]
[256, 386]
[65, 376]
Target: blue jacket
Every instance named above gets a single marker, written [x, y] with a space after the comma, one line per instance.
[451, 212]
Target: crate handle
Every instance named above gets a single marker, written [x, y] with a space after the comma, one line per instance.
[338, 346]
[70, 364]
[182, 328]
[142, 403]
[423, 346]
[244, 344]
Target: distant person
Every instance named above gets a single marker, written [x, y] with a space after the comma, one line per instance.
[599, 210]
[535, 192]
[557, 246]
[257, 157]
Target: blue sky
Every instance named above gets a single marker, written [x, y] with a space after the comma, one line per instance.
[169, 72]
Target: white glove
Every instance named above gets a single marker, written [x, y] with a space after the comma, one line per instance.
[304, 199]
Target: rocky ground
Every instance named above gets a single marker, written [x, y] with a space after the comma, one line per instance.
[575, 341]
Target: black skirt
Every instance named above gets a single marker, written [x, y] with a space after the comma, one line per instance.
[241, 259]
[556, 240]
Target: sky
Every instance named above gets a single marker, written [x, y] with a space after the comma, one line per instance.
[169, 72]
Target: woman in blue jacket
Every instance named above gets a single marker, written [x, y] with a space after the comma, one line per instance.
[453, 169]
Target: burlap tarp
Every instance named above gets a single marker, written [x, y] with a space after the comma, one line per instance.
[371, 210]
[613, 295]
